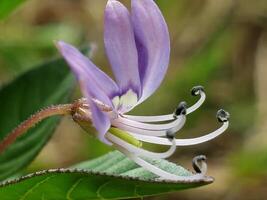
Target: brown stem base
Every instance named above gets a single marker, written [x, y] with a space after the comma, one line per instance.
[66, 109]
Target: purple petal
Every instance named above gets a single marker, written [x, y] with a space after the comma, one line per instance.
[90, 79]
[153, 44]
[100, 120]
[104, 88]
[120, 46]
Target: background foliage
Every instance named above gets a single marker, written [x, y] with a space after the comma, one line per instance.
[220, 44]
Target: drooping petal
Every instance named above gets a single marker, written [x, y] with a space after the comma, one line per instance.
[120, 47]
[87, 72]
[153, 44]
[100, 121]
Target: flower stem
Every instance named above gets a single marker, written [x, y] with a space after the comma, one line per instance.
[65, 109]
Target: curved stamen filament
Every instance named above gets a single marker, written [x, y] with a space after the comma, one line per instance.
[156, 170]
[168, 117]
[155, 127]
[197, 104]
[176, 126]
[141, 152]
[158, 118]
[182, 142]
[199, 164]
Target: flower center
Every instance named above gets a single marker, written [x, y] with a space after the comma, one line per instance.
[126, 101]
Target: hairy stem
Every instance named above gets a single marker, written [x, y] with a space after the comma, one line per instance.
[65, 109]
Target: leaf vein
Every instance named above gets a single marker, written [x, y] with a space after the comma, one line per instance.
[34, 187]
[100, 188]
[72, 188]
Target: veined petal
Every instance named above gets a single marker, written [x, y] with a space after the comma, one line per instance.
[87, 72]
[100, 120]
[120, 47]
[153, 44]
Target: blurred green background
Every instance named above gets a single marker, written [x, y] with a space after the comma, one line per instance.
[220, 44]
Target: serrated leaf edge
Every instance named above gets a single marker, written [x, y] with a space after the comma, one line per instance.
[206, 180]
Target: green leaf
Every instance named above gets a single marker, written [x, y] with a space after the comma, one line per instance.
[7, 6]
[43, 86]
[112, 176]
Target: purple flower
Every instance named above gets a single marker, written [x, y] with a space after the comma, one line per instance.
[138, 47]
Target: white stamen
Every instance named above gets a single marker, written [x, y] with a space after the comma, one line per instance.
[168, 117]
[141, 152]
[182, 142]
[199, 164]
[146, 126]
[157, 171]
[197, 104]
[158, 118]
[177, 125]
[204, 168]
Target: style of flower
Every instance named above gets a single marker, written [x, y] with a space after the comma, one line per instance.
[138, 47]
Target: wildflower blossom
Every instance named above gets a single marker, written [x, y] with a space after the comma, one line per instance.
[138, 47]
